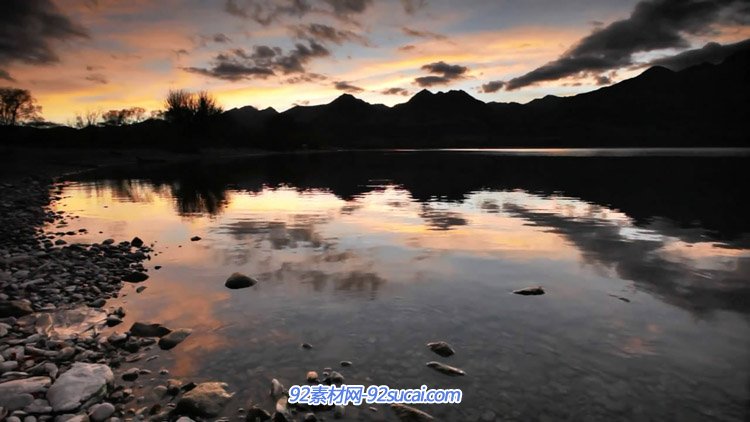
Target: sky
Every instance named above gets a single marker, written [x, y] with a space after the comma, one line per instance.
[86, 55]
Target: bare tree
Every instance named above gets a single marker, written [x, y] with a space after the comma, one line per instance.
[186, 107]
[18, 106]
[89, 118]
[123, 117]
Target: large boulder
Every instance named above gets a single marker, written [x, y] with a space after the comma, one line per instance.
[207, 399]
[83, 383]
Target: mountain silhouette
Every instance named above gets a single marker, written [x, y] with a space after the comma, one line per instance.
[703, 105]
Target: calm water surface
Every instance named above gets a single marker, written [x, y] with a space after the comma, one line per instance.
[368, 256]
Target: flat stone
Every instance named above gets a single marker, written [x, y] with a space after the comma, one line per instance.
[15, 401]
[174, 338]
[445, 369]
[24, 386]
[81, 383]
[207, 399]
[441, 348]
[529, 291]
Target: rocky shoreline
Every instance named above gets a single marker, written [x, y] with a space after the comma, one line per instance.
[56, 363]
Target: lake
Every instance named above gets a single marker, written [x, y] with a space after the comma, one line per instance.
[367, 256]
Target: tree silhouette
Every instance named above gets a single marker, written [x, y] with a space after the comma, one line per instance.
[17, 106]
[187, 108]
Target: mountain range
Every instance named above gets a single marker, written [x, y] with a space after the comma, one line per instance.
[704, 105]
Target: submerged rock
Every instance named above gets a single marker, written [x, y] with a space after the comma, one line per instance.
[239, 281]
[174, 338]
[406, 413]
[441, 348]
[207, 399]
[83, 382]
[144, 329]
[445, 369]
[530, 291]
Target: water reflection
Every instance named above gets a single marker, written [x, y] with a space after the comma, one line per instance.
[370, 255]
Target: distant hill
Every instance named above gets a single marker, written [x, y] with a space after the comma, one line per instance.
[703, 105]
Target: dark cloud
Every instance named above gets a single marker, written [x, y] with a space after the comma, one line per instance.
[709, 53]
[30, 28]
[407, 47]
[97, 78]
[347, 87]
[653, 25]
[422, 34]
[602, 80]
[306, 77]
[5, 75]
[262, 62]
[447, 73]
[266, 12]
[413, 6]
[181, 52]
[395, 91]
[324, 33]
[492, 86]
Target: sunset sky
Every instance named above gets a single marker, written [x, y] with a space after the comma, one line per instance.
[79, 55]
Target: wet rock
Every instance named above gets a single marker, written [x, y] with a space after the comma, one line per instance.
[130, 375]
[174, 338]
[135, 277]
[100, 412]
[38, 406]
[195, 238]
[14, 308]
[339, 411]
[205, 400]
[406, 413]
[346, 363]
[144, 329]
[307, 346]
[530, 291]
[81, 383]
[445, 369]
[72, 418]
[441, 348]
[239, 281]
[98, 303]
[137, 242]
[310, 417]
[184, 419]
[277, 389]
[140, 289]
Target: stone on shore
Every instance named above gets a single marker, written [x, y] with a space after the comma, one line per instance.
[82, 383]
[137, 242]
[24, 386]
[144, 329]
[239, 281]
[14, 308]
[446, 369]
[406, 413]
[207, 399]
[174, 338]
[101, 412]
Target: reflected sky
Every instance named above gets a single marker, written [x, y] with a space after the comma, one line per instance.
[639, 315]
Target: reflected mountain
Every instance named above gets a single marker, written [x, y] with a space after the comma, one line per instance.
[644, 261]
[704, 196]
